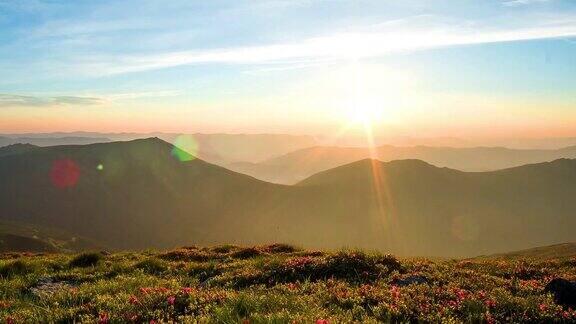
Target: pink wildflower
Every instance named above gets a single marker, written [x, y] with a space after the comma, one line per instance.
[171, 300]
[103, 318]
[490, 303]
[543, 307]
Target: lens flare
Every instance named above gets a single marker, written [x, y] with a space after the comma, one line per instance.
[64, 173]
[185, 148]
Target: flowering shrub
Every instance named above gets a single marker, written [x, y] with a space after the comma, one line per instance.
[152, 266]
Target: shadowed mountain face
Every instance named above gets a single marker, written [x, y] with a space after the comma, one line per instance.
[124, 194]
[138, 194]
[296, 166]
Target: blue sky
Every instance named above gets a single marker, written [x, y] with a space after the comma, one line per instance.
[302, 66]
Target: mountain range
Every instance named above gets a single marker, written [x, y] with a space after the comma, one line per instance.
[137, 194]
[215, 148]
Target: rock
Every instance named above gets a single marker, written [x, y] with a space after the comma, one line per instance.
[411, 280]
[564, 292]
[48, 286]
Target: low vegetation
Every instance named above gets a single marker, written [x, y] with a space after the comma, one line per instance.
[278, 284]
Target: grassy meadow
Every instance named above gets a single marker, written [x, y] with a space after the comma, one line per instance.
[275, 284]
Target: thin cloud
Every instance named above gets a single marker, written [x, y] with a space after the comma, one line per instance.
[142, 94]
[517, 3]
[12, 100]
[335, 47]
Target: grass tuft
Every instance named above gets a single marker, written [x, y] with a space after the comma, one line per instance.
[84, 260]
[17, 267]
[246, 253]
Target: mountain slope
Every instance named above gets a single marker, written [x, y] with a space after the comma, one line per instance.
[563, 250]
[20, 236]
[125, 194]
[295, 166]
[429, 209]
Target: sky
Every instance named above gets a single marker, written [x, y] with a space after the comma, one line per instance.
[411, 67]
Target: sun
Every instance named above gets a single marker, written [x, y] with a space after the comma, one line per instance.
[364, 103]
[365, 110]
[360, 95]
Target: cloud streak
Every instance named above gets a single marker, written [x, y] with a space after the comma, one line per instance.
[343, 46]
[517, 3]
[12, 100]
[15, 100]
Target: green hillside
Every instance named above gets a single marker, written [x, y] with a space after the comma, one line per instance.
[276, 284]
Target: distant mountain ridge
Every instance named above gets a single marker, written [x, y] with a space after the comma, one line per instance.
[295, 166]
[219, 148]
[50, 141]
[137, 194]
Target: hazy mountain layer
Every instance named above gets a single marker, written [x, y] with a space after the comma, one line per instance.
[295, 166]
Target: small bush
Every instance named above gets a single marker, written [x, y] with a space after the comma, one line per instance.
[246, 253]
[280, 248]
[83, 260]
[152, 266]
[355, 265]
